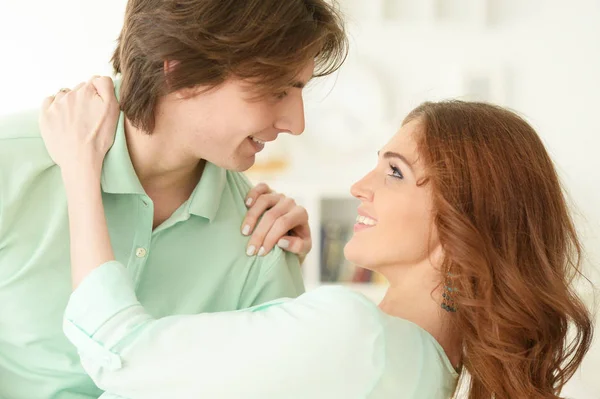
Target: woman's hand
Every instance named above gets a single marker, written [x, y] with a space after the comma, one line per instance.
[78, 126]
[283, 223]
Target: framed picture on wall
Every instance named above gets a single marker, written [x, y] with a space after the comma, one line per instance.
[463, 13]
[485, 83]
[489, 82]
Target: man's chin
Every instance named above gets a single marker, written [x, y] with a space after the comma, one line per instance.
[246, 164]
[238, 165]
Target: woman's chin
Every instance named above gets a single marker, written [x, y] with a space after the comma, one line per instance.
[356, 255]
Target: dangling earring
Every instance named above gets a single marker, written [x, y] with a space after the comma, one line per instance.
[448, 303]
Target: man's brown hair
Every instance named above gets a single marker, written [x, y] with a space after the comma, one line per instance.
[267, 42]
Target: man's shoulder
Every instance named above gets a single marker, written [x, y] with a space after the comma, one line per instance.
[21, 144]
[237, 186]
[20, 125]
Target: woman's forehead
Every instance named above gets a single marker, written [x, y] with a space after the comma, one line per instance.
[405, 141]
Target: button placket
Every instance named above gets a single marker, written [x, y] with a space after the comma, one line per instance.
[142, 238]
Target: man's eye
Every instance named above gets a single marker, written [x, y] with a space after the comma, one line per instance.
[281, 95]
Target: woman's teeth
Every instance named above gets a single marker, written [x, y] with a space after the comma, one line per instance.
[365, 220]
[257, 140]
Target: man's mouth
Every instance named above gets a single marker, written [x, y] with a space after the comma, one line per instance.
[257, 140]
[257, 143]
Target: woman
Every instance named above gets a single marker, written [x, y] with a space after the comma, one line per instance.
[463, 214]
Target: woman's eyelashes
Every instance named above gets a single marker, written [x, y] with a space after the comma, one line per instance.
[395, 172]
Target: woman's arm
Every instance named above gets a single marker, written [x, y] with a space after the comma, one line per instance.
[78, 127]
[90, 241]
[326, 344]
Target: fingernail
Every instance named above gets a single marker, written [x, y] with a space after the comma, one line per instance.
[284, 244]
[261, 251]
[249, 202]
[250, 250]
[246, 230]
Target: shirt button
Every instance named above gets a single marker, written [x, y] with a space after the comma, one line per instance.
[145, 203]
[140, 252]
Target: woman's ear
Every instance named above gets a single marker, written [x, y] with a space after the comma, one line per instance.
[436, 254]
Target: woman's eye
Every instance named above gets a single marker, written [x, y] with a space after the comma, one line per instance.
[395, 172]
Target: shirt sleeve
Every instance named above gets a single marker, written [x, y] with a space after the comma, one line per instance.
[291, 349]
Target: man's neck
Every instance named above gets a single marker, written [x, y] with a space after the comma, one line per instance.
[161, 166]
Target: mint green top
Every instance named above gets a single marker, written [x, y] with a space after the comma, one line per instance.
[194, 262]
[330, 343]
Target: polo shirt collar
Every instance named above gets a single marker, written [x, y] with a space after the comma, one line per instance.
[119, 177]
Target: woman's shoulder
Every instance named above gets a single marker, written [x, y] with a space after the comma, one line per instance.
[404, 335]
[337, 315]
[343, 302]
[415, 359]
[402, 356]
[335, 293]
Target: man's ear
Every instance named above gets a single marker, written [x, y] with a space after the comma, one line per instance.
[169, 67]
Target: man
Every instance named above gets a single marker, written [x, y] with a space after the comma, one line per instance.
[204, 86]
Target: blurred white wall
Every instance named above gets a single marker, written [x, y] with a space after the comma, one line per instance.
[542, 55]
[46, 45]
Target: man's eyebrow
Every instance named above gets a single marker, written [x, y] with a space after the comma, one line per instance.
[298, 85]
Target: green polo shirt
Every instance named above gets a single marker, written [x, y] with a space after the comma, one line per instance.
[194, 262]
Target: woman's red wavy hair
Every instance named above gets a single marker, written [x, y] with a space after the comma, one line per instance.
[511, 249]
